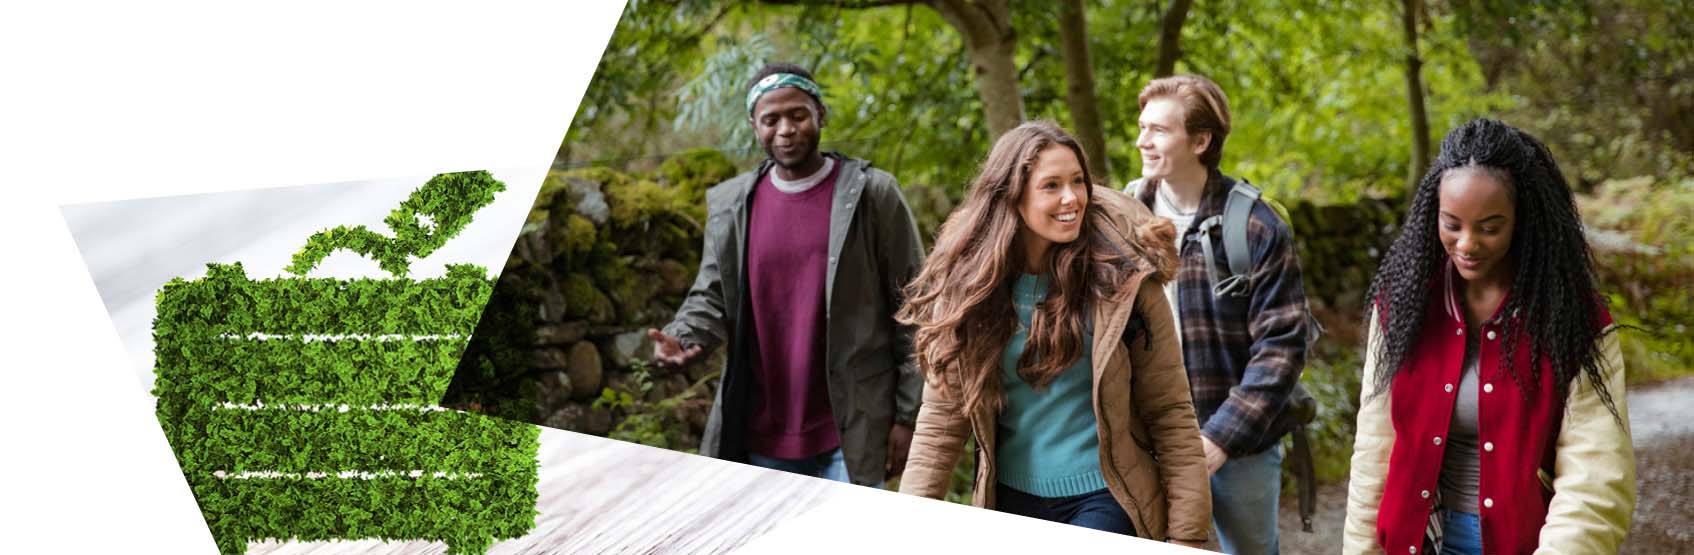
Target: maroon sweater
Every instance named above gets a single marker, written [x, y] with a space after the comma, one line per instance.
[787, 261]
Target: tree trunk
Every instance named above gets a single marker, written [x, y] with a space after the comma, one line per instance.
[1170, 37]
[986, 27]
[1414, 93]
[1079, 89]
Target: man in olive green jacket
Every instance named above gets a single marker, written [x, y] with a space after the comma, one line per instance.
[834, 237]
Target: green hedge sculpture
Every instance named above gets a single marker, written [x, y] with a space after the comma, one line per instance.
[305, 409]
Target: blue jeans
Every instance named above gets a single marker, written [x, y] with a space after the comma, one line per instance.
[1095, 511]
[1245, 491]
[829, 466]
[1461, 534]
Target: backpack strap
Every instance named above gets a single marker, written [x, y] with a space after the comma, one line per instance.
[1237, 209]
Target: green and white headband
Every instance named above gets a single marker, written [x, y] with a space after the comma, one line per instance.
[779, 80]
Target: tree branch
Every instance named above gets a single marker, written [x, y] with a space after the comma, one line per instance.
[842, 4]
[1170, 37]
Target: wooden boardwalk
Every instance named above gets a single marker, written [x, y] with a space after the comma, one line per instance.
[605, 496]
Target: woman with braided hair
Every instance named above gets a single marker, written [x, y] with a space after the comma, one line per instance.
[1492, 412]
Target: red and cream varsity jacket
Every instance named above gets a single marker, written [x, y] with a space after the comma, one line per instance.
[1557, 475]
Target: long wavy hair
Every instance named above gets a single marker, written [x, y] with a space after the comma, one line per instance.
[961, 303]
[1553, 296]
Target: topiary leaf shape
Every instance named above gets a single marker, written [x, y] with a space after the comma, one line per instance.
[426, 220]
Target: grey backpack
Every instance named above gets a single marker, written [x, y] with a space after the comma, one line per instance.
[1237, 210]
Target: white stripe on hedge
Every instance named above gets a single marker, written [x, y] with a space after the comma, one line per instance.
[260, 405]
[310, 337]
[343, 475]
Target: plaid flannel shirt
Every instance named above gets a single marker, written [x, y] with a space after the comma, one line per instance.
[1244, 355]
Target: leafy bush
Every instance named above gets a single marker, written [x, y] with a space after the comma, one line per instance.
[1644, 254]
[659, 423]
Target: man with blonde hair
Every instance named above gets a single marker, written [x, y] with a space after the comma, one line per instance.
[1239, 302]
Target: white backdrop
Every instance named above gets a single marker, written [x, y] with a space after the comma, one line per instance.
[106, 101]
[132, 247]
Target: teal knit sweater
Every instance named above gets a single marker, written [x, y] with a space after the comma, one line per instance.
[1048, 443]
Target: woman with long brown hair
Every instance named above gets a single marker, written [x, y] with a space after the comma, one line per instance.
[1043, 331]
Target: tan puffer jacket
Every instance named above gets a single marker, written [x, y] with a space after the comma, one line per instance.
[1150, 451]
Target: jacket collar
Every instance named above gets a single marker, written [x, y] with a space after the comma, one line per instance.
[1212, 197]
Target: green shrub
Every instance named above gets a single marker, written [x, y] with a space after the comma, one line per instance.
[1644, 257]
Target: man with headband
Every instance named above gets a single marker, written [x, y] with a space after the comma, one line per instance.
[800, 276]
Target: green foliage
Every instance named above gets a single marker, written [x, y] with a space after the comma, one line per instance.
[1332, 376]
[693, 171]
[1605, 83]
[1318, 91]
[636, 202]
[653, 423]
[963, 482]
[579, 236]
[425, 221]
[1645, 261]
[305, 408]
[656, 41]
[226, 302]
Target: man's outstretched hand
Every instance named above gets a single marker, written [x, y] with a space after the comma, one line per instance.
[668, 351]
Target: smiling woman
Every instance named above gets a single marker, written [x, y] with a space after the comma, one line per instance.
[1492, 409]
[1023, 311]
[1054, 199]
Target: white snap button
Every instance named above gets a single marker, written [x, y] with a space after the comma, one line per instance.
[1487, 388]
[1414, 549]
[1449, 388]
[1488, 502]
[1491, 335]
[831, 260]
[850, 205]
[1424, 494]
[1488, 446]
[1438, 440]
[1460, 331]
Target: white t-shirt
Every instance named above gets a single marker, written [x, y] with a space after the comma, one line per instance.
[1163, 209]
[805, 183]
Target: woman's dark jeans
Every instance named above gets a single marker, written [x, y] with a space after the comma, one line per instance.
[1095, 510]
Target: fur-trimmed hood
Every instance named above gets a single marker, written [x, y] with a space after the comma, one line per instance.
[1150, 241]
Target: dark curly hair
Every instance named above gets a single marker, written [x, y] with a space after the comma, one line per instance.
[1553, 289]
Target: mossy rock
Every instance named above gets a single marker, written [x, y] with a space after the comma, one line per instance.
[574, 238]
[563, 191]
[678, 239]
[606, 177]
[693, 171]
[629, 289]
[583, 300]
[636, 203]
[552, 197]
